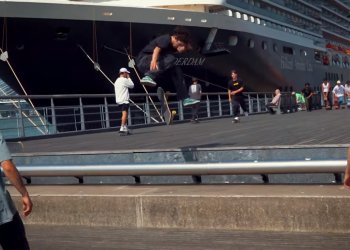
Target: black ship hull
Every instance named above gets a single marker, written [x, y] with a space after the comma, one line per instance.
[46, 56]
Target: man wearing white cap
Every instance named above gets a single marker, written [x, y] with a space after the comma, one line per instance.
[338, 92]
[121, 88]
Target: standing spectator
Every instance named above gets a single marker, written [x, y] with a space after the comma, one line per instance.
[347, 92]
[326, 89]
[235, 95]
[195, 93]
[307, 92]
[338, 93]
[12, 232]
[275, 101]
[121, 88]
[347, 173]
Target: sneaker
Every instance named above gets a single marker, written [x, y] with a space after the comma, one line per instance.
[235, 120]
[148, 81]
[123, 129]
[189, 101]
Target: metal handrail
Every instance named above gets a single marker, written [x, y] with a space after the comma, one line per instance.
[77, 115]
[229, 168]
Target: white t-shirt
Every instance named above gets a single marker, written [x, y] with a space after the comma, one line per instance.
[326, 87]
[121, 88]
[339, 90]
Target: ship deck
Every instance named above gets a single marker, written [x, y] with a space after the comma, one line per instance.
[319, 128]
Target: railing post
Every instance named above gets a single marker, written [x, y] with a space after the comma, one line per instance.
[181, 111]
[220, 107]
[208, 107]
[129, 116]
[53, 117]
[231, 110]
[250, 109]
[82, 119]
[258, 103]
[266, 100]
[102, 116]
[108, 125]
[148, 112]
[21, 131]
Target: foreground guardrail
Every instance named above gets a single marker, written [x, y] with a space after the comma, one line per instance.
[231, 168]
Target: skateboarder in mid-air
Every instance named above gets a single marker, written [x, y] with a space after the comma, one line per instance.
[158, 58]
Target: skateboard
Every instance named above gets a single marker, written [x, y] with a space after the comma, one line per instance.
[122, 133]
[236, 120]
[166, 112]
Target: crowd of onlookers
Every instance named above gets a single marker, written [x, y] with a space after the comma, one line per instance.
[337, 97]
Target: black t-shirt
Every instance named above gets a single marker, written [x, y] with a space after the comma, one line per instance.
[234, 85]
[163, 42]
[306, 91]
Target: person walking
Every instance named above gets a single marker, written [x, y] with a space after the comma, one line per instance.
[12, 231]
[338, 95]
[235, 95]
[195, 92]
[121, 88]
[159, 58]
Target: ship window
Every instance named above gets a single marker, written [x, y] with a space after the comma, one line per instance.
[252, 19]
[232, 40]
[238, 15]
[303, 52]
[258, 20]
[245, 17]
[288, 50]
[275, 48]
[62, 33]
[317, 56]
[251, 43]
[264, 45]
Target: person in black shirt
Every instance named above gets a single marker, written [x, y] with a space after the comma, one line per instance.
[307, 92]
[159, 57]
[235, 95]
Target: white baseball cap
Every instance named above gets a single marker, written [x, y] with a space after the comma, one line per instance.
[124, 70]
[338, 82]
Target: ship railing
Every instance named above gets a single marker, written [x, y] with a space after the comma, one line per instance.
[62, 114]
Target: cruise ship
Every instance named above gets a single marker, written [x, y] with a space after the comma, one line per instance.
[74, 47]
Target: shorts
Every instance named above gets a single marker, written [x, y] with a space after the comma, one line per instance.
[341, 100]
[124, 106]
[12, 234]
